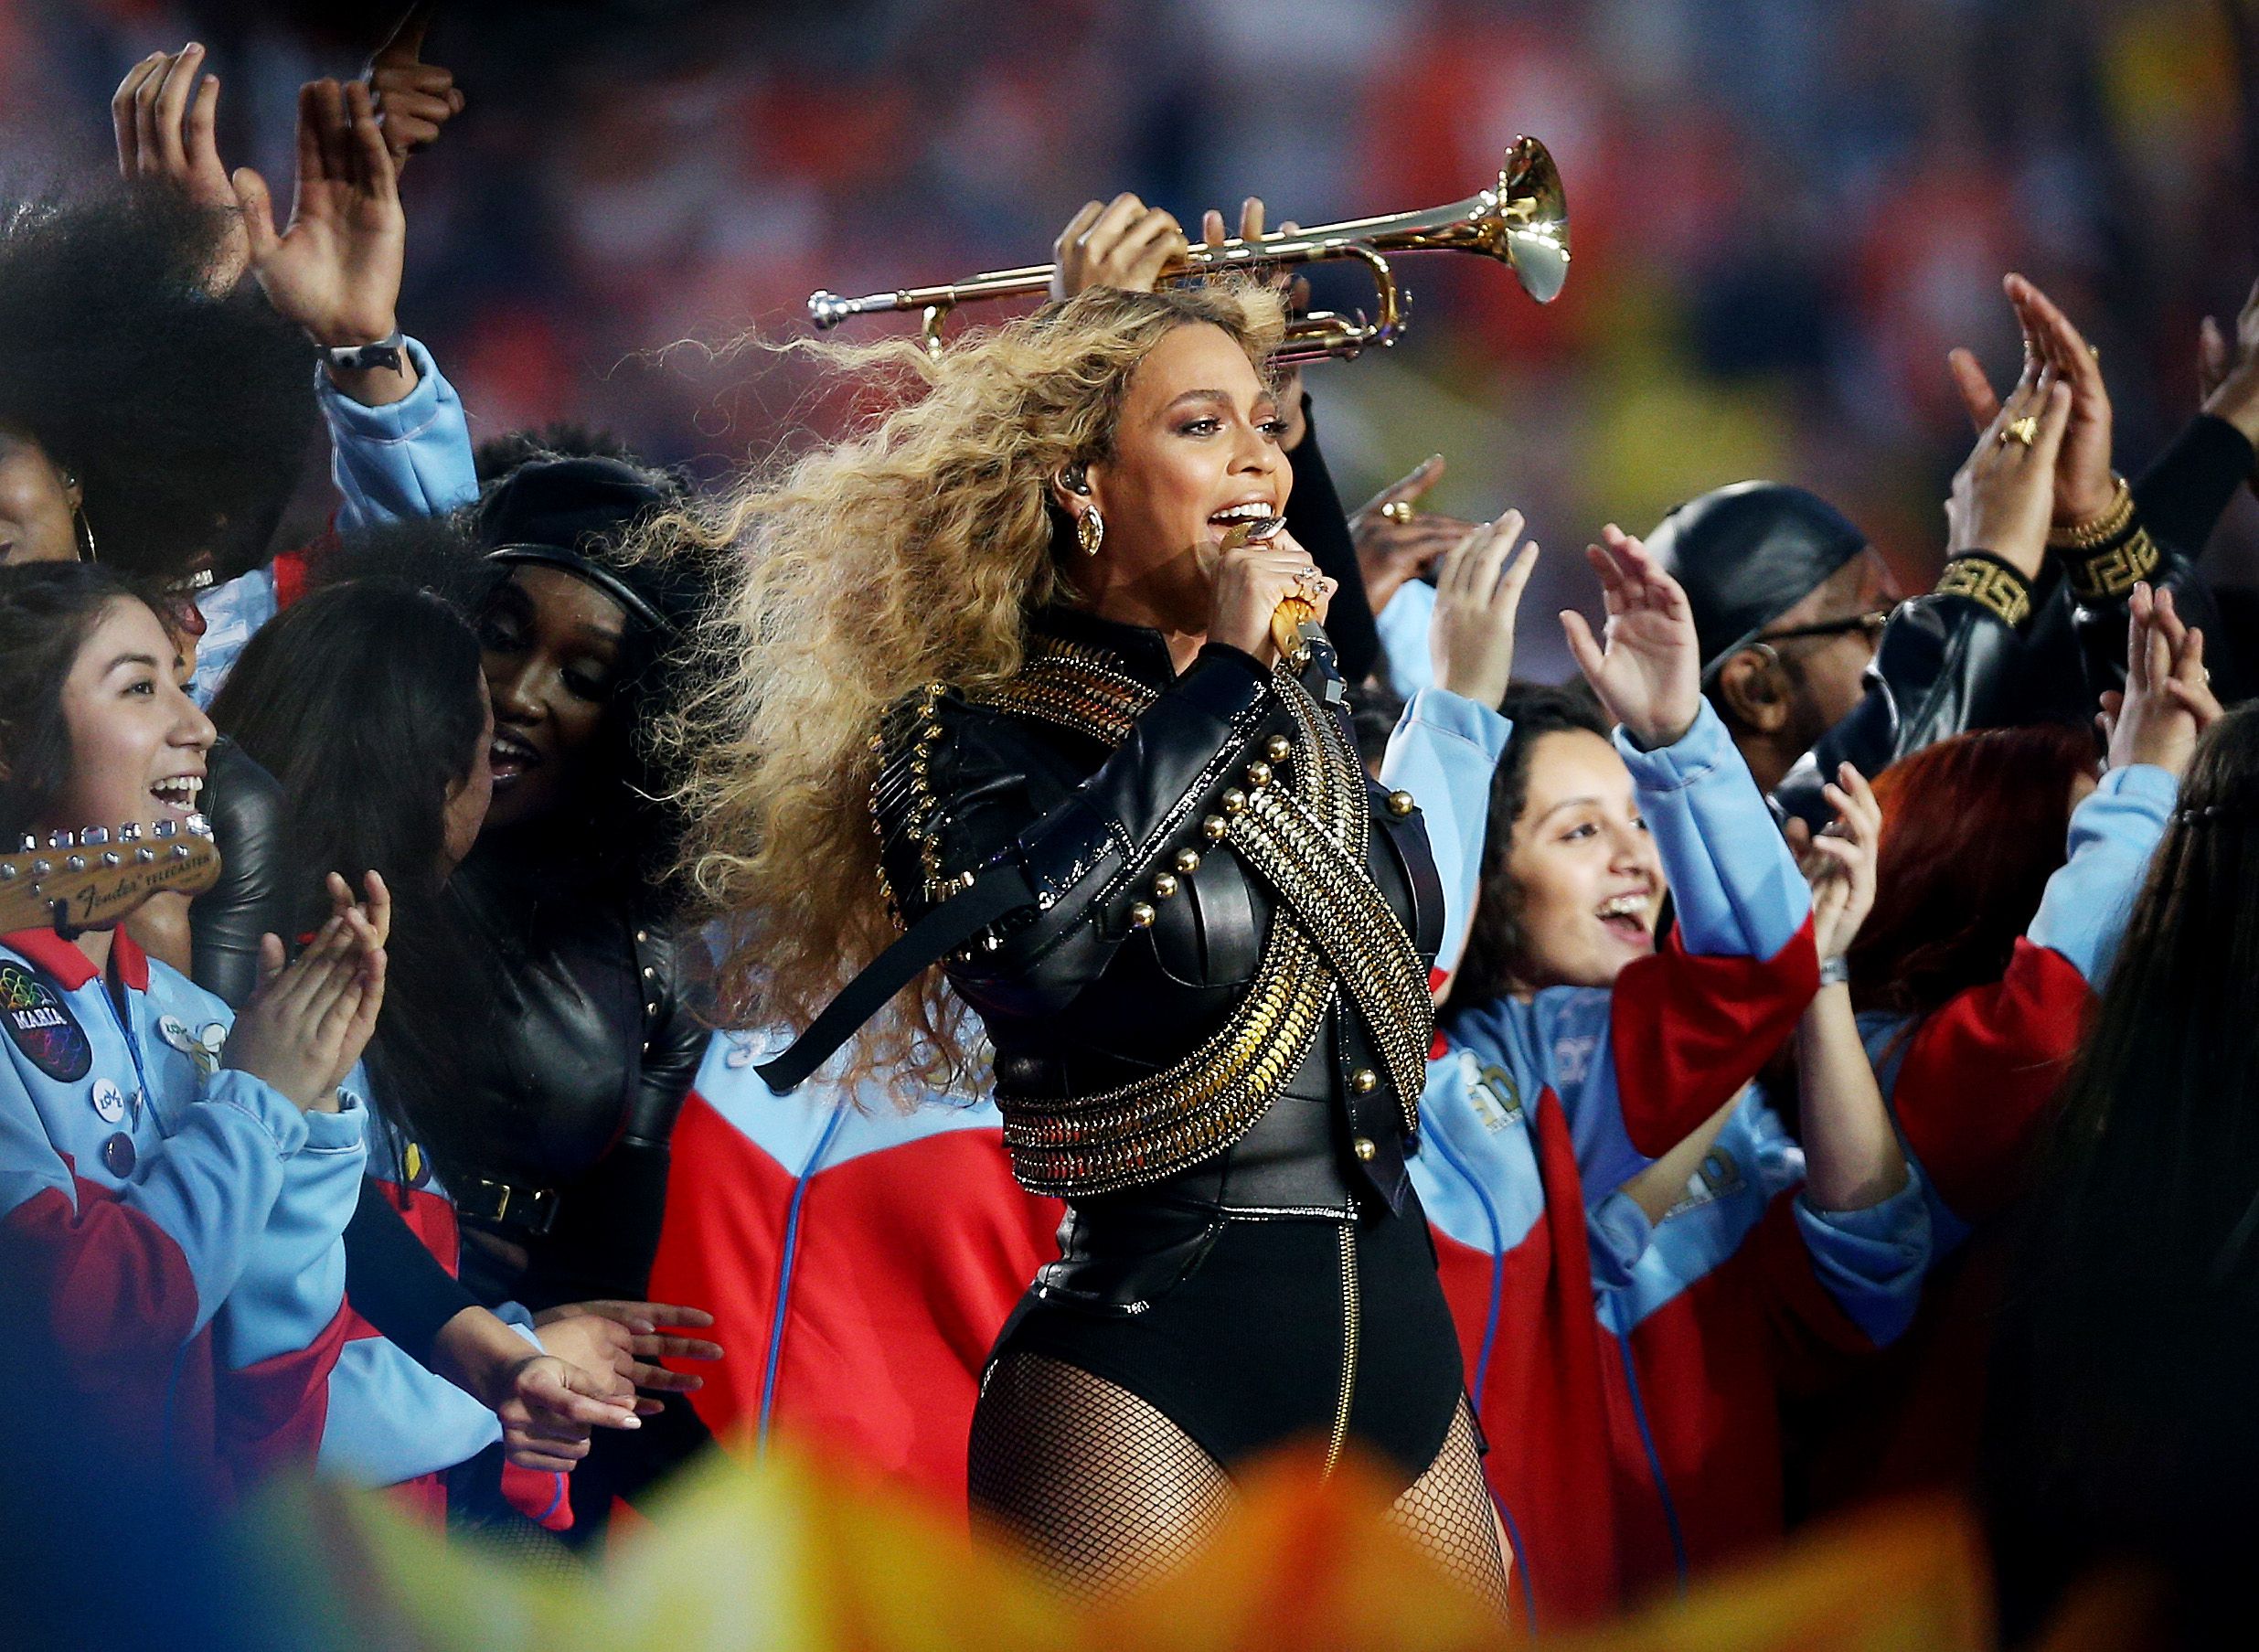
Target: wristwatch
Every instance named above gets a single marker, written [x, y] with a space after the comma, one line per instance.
[386, 352]
[1834, 971]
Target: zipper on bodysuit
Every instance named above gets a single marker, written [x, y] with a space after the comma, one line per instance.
[1351, 1314]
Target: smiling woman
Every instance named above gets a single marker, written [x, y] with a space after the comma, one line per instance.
[93, 729]
[1017, 631]
[151, 1174]
[1571, 886]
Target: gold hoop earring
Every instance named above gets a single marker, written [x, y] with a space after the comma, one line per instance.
[1090, 531]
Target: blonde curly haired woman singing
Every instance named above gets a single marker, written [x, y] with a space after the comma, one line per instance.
[1002, 673]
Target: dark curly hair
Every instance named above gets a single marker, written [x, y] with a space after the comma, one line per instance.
[497, 456]
[185, 416]
[1494, 941]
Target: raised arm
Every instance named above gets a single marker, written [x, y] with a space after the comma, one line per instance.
[1947, 661]
[401, 445]
[1447, 745]
[961, 786]
[1978, 1074]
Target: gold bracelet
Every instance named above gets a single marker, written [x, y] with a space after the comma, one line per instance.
[1990, 584]
[2110, 574]
[2096, 530]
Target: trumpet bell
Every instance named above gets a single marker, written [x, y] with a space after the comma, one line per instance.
[1532, 216]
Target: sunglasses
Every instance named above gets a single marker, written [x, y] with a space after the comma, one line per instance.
[1872, 623]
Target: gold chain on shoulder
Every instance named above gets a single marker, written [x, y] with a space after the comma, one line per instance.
[1307, 840]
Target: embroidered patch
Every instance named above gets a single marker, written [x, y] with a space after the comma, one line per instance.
[42, 1025]
[412, 1162]
[1718, 1176]
[1491, 1092]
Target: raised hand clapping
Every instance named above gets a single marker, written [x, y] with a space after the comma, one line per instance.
[2167, 700]
[414, 100]
[166, 121]
[1649, 670]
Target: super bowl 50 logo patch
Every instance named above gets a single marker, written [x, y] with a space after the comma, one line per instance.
[41, 1025]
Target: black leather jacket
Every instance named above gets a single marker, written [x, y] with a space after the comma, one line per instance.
[1949, 663]
[245, 805]
[1079, 997]
[570, 1082]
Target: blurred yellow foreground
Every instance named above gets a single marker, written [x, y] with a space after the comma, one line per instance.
[780, 1556]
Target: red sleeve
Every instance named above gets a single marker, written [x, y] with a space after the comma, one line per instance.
[116, 1289]
[1980, 1075]
[1688, 1032]
[272, 1414]
[1814, 1340]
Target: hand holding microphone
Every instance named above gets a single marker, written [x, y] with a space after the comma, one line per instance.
[1267, 588]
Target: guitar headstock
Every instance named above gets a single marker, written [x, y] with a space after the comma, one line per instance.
[80, 880]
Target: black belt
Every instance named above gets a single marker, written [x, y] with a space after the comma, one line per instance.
[529, 1210]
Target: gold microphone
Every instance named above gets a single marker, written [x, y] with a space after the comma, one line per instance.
[1294, 612]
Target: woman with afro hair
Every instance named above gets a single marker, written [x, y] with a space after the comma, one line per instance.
[144, 423]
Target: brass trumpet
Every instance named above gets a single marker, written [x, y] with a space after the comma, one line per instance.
[1522, 220]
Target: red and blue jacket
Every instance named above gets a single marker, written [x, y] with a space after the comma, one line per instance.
[390, 1420]
[150, 1202]
[858, 1260]
[1739, 1290]
[1972, 1086]
[1530, 1104]
[1743, 1295]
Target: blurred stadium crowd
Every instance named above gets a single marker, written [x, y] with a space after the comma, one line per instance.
[1783, 212]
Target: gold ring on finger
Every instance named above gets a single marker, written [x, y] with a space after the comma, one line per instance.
[2024, 431]
[1399, 511]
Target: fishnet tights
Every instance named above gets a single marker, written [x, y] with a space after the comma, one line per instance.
[1098, 1487]
[1105, 1494]
[1448, 1514]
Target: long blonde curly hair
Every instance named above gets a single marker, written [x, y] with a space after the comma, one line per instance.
[913, 551]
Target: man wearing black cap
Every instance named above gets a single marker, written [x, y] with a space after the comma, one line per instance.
[1812, 660]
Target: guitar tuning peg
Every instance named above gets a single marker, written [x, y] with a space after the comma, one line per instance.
[199, 826]
[94, 836]
[164, 828]
[58, 840]
[28, 845]
[130, 832]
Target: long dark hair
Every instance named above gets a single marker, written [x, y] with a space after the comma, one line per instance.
[2121, 1423]
[46, 610]
[1973, 827]
[1495, 943]
[366, 700]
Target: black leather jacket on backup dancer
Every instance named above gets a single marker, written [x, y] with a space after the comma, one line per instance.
[1991, 651]
[569, 1097]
